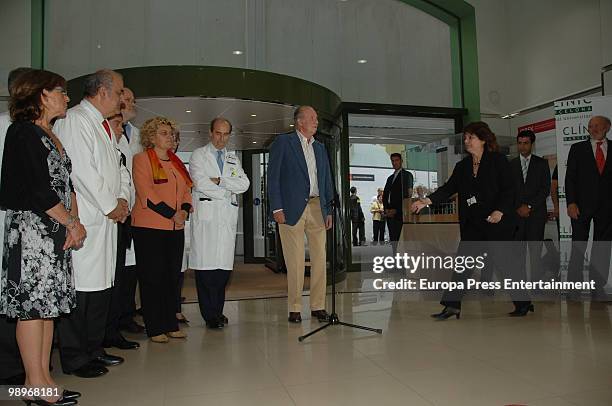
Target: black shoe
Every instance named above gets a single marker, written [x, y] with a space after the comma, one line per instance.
[214, 324]
[448, 312]
[321, 315]
[295, 317]
[122, 344]
[521, 312]
[89, 371]
[60, 402]
[132, 327]
[70, 394]
[108, 360]
[223, 319]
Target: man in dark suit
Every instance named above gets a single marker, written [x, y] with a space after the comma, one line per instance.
[588, 191]
[398, 187]
[357, 218]
[532, 184]
[300, 192]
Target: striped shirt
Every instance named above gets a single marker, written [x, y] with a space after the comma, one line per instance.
[311, 163]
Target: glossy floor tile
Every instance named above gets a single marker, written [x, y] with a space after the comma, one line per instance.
[561, 355]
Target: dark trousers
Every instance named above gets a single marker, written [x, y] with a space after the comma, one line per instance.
[530, 232]
[481, 239]
[81, 333]
[395, 231]
[10, 360]
[128, 296]
[179, 291]
[117, 291]
[159, 256]
[600, 251]
[211, 292]
[379, 230]
[358, 226]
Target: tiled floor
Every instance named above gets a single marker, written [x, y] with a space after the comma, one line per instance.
[561, 355]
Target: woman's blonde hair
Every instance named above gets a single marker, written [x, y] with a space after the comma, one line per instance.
[149, 129]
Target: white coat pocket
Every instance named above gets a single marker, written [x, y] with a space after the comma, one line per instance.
[204, 209]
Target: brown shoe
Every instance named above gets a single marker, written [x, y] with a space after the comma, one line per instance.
[321, 315]
[176, 334]
[162, 339]
[295, 317]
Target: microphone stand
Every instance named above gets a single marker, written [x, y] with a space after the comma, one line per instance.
[334, 320]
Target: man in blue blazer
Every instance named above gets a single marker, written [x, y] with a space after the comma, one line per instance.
[300, 192]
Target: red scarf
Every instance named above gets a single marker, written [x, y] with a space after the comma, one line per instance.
[159, 175]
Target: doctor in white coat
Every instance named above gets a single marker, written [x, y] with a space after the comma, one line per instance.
[102, 185]
[218, 179]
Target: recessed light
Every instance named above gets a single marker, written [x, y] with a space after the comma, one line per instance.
[254, 142]
[290, 125]
[253, 115]
[237, 52]
[362, 61]
[187, 111]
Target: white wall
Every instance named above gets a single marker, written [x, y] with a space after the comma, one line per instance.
[15, 38]
[407, 50]
[535, 51]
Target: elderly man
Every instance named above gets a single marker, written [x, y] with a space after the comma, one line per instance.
[300, 192]
[112, 336]
[128, 110]
[102, 185]
[11, 369]
[130, 139]
[218, 179]
[588, 191]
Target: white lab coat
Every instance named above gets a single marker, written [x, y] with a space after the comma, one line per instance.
[99, 180]
[126, 149]
[133, 134]
[5, 123]
[215, 216]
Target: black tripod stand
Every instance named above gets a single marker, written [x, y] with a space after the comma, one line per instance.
[333, 317]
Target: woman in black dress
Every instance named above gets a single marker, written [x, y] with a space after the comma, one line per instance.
[41, 226]
[483, 181]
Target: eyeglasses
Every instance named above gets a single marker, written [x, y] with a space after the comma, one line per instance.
[61, 90]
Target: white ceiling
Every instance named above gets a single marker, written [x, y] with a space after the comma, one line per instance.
[248, 132]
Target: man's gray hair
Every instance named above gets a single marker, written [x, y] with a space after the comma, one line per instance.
[298, 113]
[98, 79]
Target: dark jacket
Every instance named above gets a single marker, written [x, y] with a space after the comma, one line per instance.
[396, 191]
[356, 211]
[584, 185]
[493, 189]
[535, 190]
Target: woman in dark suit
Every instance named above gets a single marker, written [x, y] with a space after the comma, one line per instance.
[41, 227]
[483, 180]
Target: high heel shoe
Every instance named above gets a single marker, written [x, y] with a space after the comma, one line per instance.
[70, 394]
[521, 312]
[446, 313]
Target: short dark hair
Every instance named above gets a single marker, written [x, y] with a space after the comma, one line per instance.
[14, 74]
[527, 134]
[220, 119]
[353, 189]
[481, 130]
[397, 154]
[25, 103]
[98, 79]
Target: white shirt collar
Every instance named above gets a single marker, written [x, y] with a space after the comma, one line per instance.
[303, 139]
[92, 110]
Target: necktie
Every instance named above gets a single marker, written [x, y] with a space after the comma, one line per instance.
[525, 165]
[599, 157]
[107, 128]
[220, 160]
[126, 132]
